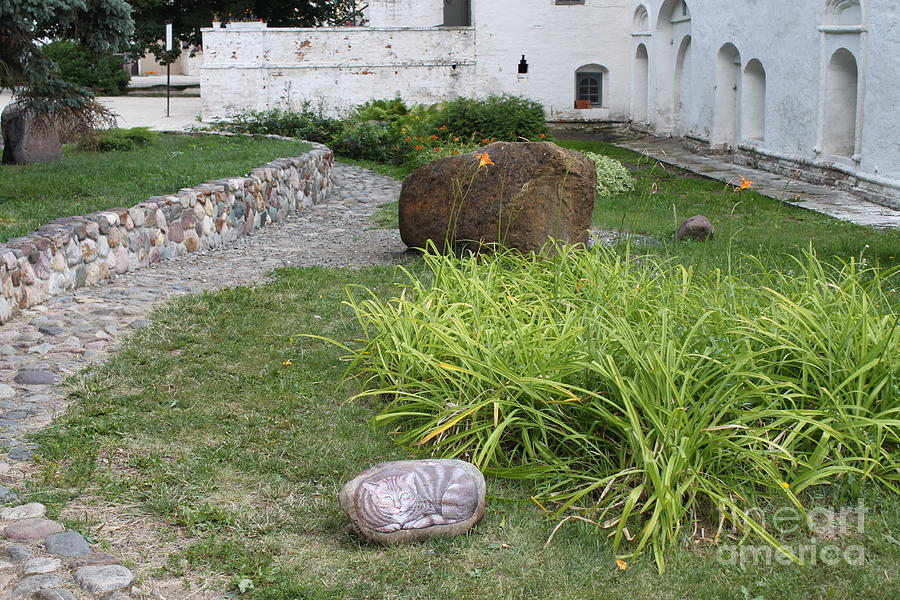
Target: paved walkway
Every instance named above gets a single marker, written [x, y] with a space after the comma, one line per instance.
[147, 111]
[830, 201]
[43, 344]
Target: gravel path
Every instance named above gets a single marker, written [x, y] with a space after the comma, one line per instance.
[43, 344]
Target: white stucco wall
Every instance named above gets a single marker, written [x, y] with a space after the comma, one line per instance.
[405, 13]
[556, 40]
[334, 69]
[794, 48]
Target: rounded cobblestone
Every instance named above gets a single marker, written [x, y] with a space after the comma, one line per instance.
[46, 342]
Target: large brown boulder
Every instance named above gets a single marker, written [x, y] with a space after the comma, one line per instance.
[531, 192]
[27, 139]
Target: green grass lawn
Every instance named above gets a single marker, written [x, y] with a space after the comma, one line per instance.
[236, 435]
[242, 455]
[84, 182]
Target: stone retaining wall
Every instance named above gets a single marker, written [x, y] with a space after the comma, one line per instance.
[74, 252]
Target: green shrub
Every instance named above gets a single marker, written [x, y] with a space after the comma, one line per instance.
[101, 73]
[117, 139]
[612, 176]
[304, 123]
[503, 117]
[369, 141]
[647, 395]
[380, 110]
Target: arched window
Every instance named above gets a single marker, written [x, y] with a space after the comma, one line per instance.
[728, 75]
[641, 19]
[844, 12]
[753, 102]
[589, 84]
[840, 104]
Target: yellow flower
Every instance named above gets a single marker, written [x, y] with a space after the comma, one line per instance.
[621, 564]
[785, 484]
[483, 159]
[287, 363]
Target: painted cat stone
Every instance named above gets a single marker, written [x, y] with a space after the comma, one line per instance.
[412, 500]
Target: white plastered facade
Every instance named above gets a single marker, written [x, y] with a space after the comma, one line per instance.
[812, 83]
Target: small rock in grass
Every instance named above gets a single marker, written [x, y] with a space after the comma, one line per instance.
[68, 543]
[35, 583]
[31, 510]
[99, 580]
[6, 391]
[32, 529]
[41, 565]
[7, 495]
[25, 452]
[697, 228]
[55, 595]
[18, 553]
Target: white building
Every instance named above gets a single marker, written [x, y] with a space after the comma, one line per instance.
[808, 84]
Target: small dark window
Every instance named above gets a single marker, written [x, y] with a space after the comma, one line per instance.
[564, 2]
[589, 88]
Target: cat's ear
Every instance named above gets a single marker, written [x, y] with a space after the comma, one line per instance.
[408, 478]
[370, 487]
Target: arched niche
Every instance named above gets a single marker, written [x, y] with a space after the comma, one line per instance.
[841, 92]
[682, 94]
[728, 78]
[844, 12]
[641, 19]
[673, 26]
[640, 85]
[753, 102]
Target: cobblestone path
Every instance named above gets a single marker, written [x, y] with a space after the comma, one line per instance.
[47, 342]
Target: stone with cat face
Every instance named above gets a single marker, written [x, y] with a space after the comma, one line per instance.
[411, 500]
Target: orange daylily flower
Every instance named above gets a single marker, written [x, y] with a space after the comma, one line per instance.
[434, 137]
[745, 183]
[483, 159]
[443, 128]
[408, 139]
[485, 140]
[419, 147]
[542, 136]
[437, 149]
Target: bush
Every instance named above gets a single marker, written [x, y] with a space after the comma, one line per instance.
[612, 176]
[117, 139]
[101, 73]
[304, 123]
[369, 141]
[647, 395]
[380, 110]
[503, 117]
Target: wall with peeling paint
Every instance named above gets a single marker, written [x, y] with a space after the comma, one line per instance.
[334, 69]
